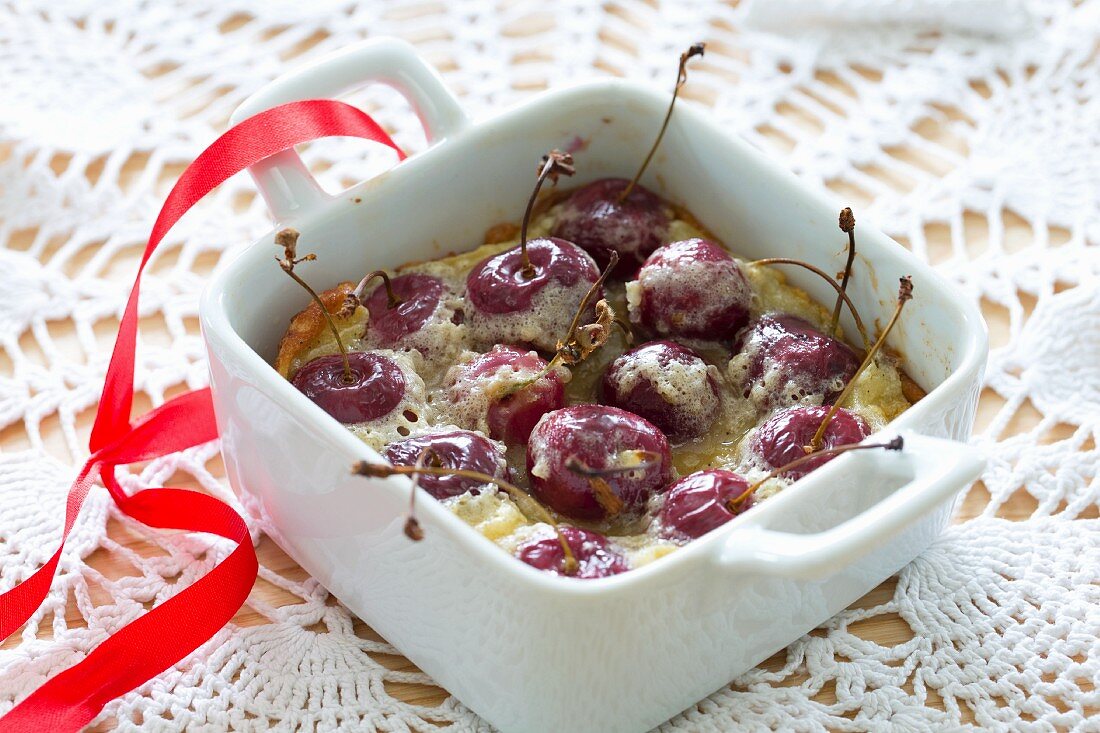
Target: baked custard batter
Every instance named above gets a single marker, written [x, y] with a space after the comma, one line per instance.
[727, 356]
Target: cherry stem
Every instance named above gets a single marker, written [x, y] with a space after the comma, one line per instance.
[569, 351]
[605, 495]
[553, 164]
[832, 282]
[288, 240]
[413, 529]
[696, 49]
[905, 294]
[895, 444]
[647, 459]
[571, 334]
[392, 298]
[847, 224]
[521, 497]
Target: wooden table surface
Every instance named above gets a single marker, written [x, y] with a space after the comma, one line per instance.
[882, 629]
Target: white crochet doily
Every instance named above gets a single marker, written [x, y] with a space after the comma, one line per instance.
[969, 129]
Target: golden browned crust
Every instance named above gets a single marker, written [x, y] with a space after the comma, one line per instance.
[307, 325]
[505, 231]
[910, 390]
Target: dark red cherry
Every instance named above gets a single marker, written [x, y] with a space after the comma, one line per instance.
[419, 294]
[375, 389]
[698, 503]
[508, 307]
[667, 384]
[595, 558]
[595, 220]
[461, 449]
[791, 359]
[512, 416]
[780, 439]
[498, 285]
[692, 289]
[600, 439]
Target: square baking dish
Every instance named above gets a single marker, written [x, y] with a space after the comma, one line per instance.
[526, 650]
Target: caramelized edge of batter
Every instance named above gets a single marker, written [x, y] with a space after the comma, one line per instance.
[306, 326]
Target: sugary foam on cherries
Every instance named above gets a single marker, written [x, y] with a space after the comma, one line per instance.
[597, 436]
[595, 558]
[691, 289]
[376, 388]
[498, 285]
[787, 359]
[420, 295]
[482, 389]
[666, 383]
[699, 502]
[463, 449]
[594, 219]
[507, 307]
[781, 438]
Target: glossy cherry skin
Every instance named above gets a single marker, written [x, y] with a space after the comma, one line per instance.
[597, 436]
[802, 357]
[462, 449]
[779, 440]
[498, 285]
[419, 294]
[699, 502]
[595, 559]
[640, 380]
[512, 416]
[376, 388]
[692, 289]
[595, 220]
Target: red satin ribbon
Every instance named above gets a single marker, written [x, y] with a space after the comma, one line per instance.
[169, 632]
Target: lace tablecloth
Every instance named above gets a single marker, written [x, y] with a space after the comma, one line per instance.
[968, 129]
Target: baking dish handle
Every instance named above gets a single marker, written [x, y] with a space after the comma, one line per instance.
[939, 468]
[283, 180]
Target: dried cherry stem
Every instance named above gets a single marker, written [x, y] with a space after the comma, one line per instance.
[288, 240]
[413, 530]
[571, 334]
[905, 294]
[588, 338]
[696, 49]
[606, 497]
[361, 289]
[553, 164]
[832, 282]
[847, 222]
[521, 497]
[645, 459]
[895, 444]
[580, 341]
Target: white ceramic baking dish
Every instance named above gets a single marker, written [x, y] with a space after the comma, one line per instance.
[527, 650]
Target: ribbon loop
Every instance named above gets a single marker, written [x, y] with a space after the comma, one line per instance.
[169, 632]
